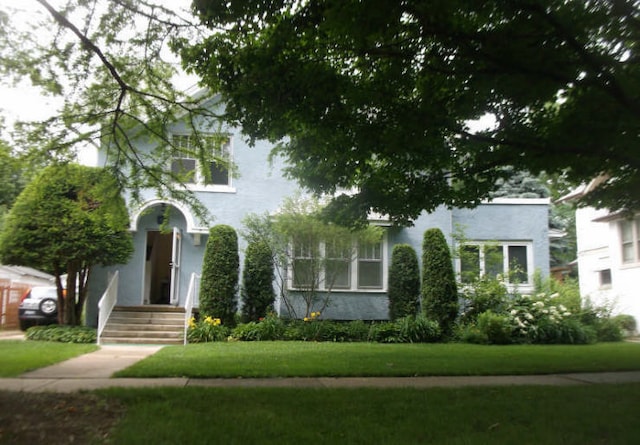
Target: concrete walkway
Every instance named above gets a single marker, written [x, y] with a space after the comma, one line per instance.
[94, 371]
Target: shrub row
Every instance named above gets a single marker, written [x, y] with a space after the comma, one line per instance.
[493, 317]
[63, 334]
[411, 329]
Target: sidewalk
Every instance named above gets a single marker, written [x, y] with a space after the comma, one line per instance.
[93, 371]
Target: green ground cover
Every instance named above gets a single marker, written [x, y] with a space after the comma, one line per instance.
[22, 356]
[285, 359]
[581, 415]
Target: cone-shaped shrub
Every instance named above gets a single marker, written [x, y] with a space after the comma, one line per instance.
[404, 282]
[219, 283]
[257, 282]
[439, 290]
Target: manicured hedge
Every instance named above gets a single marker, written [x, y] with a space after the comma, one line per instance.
[404, 282]
[439, 289]
[220, 269]
[257, 282]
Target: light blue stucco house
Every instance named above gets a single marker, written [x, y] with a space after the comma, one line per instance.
[160, 270]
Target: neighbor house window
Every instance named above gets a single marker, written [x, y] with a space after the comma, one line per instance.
[630, 239]
[511, 261]
[186, 165]
[332, 267]
[605, 278]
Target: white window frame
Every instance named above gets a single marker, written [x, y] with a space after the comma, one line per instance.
[198, 184]
[633, 242]
[504, 245]
[354, 286]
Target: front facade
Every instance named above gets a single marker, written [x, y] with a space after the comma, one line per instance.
[163, 262]
[609, 259]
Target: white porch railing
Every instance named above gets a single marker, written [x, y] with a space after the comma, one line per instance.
[107, 303]
[194, 286]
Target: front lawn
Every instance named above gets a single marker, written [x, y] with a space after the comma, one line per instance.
[287, 359]
[580, 415]
[22, 356]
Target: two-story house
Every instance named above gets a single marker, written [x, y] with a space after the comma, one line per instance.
[160, 270]
[608, 249]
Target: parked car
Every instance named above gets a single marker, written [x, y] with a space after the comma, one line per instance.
[38, 306]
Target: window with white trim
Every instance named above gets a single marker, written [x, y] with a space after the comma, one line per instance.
[304, 265]
[630, 240]
[370, 266]
[185, 162]
[331, 267]
[511, 261]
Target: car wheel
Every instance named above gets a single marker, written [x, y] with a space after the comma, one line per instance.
[48, 306]
[24, 325]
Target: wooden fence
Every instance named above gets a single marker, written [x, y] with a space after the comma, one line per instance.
[9, 302]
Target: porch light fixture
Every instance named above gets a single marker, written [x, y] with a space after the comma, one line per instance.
[160, 218]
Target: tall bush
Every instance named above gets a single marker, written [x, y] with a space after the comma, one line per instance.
[404, 282]
[219, 283]
[257, 281]
[439, 290]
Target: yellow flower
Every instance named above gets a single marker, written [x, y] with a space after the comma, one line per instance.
[306, 318]
[208, 319]
[216, 322]
[192, 322]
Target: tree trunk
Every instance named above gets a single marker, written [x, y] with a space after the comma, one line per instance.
[61, 299]
[71, 295]
[83, 279]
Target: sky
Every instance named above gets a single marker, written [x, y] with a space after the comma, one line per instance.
[24, 102]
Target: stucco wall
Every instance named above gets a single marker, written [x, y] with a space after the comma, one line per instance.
[259, 187]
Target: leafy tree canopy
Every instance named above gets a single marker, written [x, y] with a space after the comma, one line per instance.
[373, 96]
[65, 221]
[107, 65]
[379, 96]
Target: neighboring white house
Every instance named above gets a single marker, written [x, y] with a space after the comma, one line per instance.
[608, 248]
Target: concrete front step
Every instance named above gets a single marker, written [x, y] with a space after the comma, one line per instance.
[137, 334]
[141, 341]
[174, 321]
[164, 327]
[145, 324]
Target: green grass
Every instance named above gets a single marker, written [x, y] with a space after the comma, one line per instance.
[284, 359]
[21, 356]
[581, 415]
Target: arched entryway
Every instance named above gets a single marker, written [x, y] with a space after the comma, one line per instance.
[162, 264]
[166, 230]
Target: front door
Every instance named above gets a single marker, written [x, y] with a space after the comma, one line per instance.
[176, 251]
[161, 278]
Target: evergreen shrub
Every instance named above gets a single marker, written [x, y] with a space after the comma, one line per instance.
[439, 289]
[257, 281]
[404, 282]
[220, 269]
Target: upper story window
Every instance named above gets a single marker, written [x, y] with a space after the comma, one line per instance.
[630, 240]
[512, 261]
[330, 267]
[185, 162]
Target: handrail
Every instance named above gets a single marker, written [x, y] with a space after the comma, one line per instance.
[107, 303]
[194, 284]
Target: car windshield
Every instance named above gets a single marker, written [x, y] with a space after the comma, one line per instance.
[43, 292]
